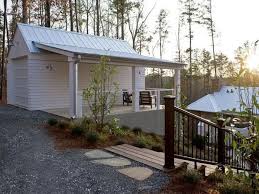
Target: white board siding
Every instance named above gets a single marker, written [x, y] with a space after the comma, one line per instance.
[11, 83]
[140, 78]
[49, 89]
[17, 86]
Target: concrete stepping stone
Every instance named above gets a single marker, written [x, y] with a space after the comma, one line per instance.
[115, 162]
[137, 173]
[98, 154]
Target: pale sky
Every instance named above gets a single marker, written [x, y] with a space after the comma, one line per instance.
[236, 22]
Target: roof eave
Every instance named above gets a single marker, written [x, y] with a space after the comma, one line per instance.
[92, 58]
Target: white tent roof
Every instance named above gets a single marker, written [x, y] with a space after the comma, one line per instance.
[50, 39]
[226, 99]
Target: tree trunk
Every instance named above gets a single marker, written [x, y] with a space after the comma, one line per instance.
[179, 42]
[190, 49]
[98, 17]
[25, 5]
[212, 38]
[2, 75]
[76, 13]
[65, 13]
[117, 20]
[47, 14]
[71, 16]
[87, 16]
[122, 19]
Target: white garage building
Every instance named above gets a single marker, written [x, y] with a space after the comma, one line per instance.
[47, 68]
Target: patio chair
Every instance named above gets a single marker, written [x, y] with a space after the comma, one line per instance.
[127, 98]
[145, 98]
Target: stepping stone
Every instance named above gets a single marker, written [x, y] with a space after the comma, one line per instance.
[115, 162]
[137, 173]
[98, 154]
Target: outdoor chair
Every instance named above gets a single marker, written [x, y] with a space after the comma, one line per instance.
[145, 98]
[127, 98]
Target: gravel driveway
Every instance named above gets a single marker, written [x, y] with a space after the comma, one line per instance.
[30, 164]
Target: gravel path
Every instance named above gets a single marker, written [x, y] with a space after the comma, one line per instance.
[30, 164]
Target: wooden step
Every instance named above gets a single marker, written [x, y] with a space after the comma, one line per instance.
[156, 159]
[135, 158]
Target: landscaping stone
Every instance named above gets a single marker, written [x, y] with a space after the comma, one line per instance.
[98, 154]
[115, 162]
[137, 173]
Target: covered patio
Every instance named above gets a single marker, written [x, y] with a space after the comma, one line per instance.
[77, 58]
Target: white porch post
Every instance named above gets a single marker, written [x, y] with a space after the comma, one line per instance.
[177, 86]
[73, 88]
[135, 92]
[158, 100]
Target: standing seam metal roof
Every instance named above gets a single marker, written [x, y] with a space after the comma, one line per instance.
[226, 99]
[32, 33]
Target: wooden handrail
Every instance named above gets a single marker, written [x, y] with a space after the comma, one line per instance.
[196, 117]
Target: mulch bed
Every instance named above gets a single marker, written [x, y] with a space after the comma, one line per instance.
[178, 185]
[63, 139]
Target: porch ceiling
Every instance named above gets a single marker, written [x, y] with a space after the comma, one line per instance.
[116, 58]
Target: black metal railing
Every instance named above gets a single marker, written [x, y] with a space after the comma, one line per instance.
[199, 140]
[204, 141]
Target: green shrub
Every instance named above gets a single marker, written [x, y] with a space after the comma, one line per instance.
[125, 128]
[147, 141]
[119, 142]
[137, 131]
[140, 144]
[104, 137]
[63, 124]
[230, 186]
[192, 176]
[156, 137]
[114, 124]
[199, 141]
[77, 131]
[92, 137]
[85, 123]
[52, 121]
[157, 148]
[216, 177]
[119, 132]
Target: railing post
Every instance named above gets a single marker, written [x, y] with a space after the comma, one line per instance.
[221, 142]
[169, 131]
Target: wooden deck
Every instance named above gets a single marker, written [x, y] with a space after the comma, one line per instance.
[154, 159]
